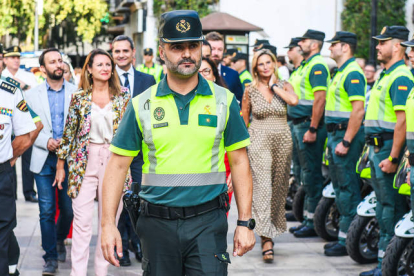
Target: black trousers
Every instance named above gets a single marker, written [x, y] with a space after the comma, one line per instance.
[27, 175]
[194, 246]
[7, 216]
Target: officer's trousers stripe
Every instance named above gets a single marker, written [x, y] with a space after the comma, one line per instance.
[183, 180]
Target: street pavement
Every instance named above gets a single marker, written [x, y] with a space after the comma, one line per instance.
[293, 257]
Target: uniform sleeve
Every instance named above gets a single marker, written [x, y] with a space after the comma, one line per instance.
[355, 86]
[246, 82]
[21, 120]
[318, 78]
[399, 92]
[33, 114]
[235, 134]
[128, 137]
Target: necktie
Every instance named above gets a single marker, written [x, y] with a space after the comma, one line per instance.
[126, 83]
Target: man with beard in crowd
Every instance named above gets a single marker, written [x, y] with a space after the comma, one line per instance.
[50, 100]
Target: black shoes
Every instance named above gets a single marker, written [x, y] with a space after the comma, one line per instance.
[296, 228]
[330, 245]
[50, 267]
[61, 250]
[32, 198]
[375, 272]
[336, 251]
[290, 217]
[305, 232]
[125, 260]
[138, 253]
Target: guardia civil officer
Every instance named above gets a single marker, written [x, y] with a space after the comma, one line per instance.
[409, 117]
[308, 125]
[344, 112]
[385, 132]
[240, 64]
[150, 67]
[183, 126]
[14, 117]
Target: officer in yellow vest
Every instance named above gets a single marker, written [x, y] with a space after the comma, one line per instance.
[309, 128]
[344, 112]
[150, 67]
[409, 118]
[385, 131]
[239, 63]
[183, 126]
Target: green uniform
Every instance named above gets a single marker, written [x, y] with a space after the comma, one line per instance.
[245, 78]
[313, 75]
[348, 85]
[156, 71]
[183, 139]
[388, 95]
[409, 115]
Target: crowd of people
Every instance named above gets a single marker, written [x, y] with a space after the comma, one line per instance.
[189, 132]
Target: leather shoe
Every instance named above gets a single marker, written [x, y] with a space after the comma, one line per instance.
[296, 228]
[330, 245]
[138, 253]
[124, 261]
[32, 198]
[336, 251]
[374, 272]
[61, 250]
[305, 232]
[290, 217]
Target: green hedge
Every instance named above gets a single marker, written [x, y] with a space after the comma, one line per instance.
[356, 18]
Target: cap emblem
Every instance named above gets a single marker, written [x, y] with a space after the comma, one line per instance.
[183, 26]
[15, 49]
[383, 30]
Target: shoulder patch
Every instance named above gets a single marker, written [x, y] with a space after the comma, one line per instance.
[319, 72]
[8, 87]
[22, 106]
[402, 87]
[13, 81]
[355, 81]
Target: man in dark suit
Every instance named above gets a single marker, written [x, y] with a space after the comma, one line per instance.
[123, 52]
[230, 76]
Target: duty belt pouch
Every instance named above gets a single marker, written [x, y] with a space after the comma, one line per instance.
[376, 141]
[224, 201]
[132, 204]
[411, 159]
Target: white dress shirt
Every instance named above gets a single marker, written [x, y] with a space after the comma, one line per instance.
[130, 77]
[23, 75]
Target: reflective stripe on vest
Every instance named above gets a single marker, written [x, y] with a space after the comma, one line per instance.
[154, 71]
[409, 114]
[380, 112]
[337, 99]
[245, 76]
[305, 94]
[206, 174]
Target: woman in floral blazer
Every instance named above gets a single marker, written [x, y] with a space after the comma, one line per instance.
[94, 115]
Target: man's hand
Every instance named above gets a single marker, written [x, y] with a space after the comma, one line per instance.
[340, 150]
[13, 161]
[243, 241]
[387, 166]
[229, 184]
[109, 240]
[309, 137]
[52, 144]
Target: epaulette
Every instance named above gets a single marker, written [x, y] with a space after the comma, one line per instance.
[13, 81]
[8, 87]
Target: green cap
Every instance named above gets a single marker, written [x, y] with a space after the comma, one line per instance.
[230, 52]
[180, 26]
[148, 52]
[313, 34]
[13, 51]
[293, 43]
[390, 32]
[259, 42]
[346, 37]
[272, 48]
[409, 43]
[239, 56]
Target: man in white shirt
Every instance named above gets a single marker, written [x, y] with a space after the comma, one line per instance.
[12, 61]
[282, 68]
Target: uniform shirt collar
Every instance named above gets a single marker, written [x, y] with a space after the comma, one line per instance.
[309, 59]
[395, 65]
[203, 88]
[121, 72]
[340, 69]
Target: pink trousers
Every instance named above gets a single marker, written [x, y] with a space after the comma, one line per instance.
[83, 209]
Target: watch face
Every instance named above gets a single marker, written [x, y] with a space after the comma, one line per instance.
[251, 224]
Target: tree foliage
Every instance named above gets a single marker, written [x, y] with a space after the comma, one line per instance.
[356, 18]
[201, 6]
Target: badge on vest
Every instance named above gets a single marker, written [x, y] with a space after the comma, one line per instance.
[207, 120]
[22, 106]
[159, 113]
[160, 125]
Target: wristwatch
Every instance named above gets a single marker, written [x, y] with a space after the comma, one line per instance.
[251, 223]
[312, 129]
[346, 143]
[393, 160]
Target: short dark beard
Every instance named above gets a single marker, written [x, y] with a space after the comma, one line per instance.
[174, 67]
[53, 75]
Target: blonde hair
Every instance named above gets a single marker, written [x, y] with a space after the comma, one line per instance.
[256, 57]
[86, 80]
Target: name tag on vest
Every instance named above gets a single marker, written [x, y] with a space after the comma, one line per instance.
[207, 120]
[160, 125]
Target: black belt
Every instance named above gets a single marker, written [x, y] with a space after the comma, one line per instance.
[164, 212]
[333, 127]
[297, 121]
[378, 139]
[411, 159]
[4, 166]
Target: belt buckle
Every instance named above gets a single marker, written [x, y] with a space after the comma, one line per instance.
[176, 213]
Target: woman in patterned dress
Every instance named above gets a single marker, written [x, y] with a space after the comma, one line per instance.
[93, 118]
[269, 154]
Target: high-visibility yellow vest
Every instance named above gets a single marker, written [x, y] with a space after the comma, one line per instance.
[409, 115]
[380, 112]
[338, 103]
[245, 78]
[155, 70]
